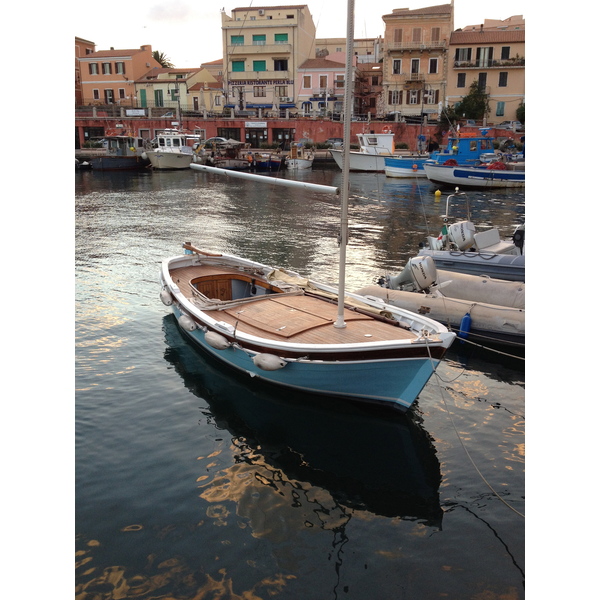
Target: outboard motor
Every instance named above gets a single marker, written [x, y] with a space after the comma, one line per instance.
[462, 234]
[418, 275]
[519, 238]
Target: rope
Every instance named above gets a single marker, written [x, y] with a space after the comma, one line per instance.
[437, 378]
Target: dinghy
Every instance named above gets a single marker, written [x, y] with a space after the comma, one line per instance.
[482, 309]
[291, 331]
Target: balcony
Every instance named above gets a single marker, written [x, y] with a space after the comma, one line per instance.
[259, 77]
[259, 48]
[490, 64]
[421, 46]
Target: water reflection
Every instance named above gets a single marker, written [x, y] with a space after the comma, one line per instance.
[291, 453]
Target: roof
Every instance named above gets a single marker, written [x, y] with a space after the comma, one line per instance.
[486, 36]
[270, 7]
[116, 53]
[429, 10]
[321, 63]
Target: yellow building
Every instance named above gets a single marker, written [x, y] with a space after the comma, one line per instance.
[493, 55]
[263, 50]
[415, 60]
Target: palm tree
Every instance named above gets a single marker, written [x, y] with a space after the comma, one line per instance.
[162, 59]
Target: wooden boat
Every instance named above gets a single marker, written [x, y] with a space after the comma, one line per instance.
[124, 151]
[485, 310]
[297, 333]
[299, 157]
[465, 149]
[459, 247]
[275, 325]
[494, 175]
[170, 151]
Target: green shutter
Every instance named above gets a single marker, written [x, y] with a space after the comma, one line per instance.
[281, 38]
[237, 66]
[259, 65]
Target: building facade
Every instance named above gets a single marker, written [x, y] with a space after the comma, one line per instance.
[108, 76]
[263, 48]
[415, 61]
[493, 56]
[82, 48]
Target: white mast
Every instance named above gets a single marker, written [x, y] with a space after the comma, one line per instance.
[346, 161]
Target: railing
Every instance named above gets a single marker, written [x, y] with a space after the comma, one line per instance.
[440, 44]
[489, 64]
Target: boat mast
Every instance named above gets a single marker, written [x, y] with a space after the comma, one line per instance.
[343, 241]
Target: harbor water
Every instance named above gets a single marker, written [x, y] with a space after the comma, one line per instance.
[193, 482]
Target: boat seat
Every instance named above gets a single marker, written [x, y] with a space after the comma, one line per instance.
[489, 241]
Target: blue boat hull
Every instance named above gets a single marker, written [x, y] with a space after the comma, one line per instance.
[405, 167]
[395, 383]
[479, 177]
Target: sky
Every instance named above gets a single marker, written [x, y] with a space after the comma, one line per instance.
[188, 32]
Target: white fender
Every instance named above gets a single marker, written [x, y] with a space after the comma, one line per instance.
[268, 362]
[187, 323]
[166, 297]
[216, 340]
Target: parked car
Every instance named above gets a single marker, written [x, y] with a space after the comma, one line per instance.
[214, 141]
[334, 142]
[512, 125]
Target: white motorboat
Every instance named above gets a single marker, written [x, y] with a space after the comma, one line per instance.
[170, 151]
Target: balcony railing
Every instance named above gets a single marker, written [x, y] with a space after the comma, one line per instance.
[432, 45]
[489, 64]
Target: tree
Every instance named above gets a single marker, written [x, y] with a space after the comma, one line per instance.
[475, 105]
[162, 59]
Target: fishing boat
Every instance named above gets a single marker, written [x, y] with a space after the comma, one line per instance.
[287, 330]
[265, 161]
[299, 157]
[123, 151]
[461, 248]
[463, 149]
[481, 309]
[494, 175]
[170, 151]
[374, 148]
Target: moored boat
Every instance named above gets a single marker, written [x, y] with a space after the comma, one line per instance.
[493, 175]
[124, 151]
[299, 157]
[280, 327]
[460, 247]
[170, 151]
[374, 148]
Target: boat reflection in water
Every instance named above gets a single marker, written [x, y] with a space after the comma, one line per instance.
[386, 465]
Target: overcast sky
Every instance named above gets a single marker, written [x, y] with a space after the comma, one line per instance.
[189, 31]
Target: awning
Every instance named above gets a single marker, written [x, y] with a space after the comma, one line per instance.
[287, 106]
[259, 105]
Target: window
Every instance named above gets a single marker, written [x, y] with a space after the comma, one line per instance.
[237, 40]
[306, 82]
[259, 65]
[339, 81]
[281, 90]
[505, 53]
[260, 91]
[96, 94]
[120, 68]
[482, 81]
[109, 96]
[280, 64]
[416, 35]
[463, 54]
[237, 66]
[121, 94]
[158, 98]
[484, 57]
[322, 81]
[259, 40]
[461, 80]
[414, 96]
[431, 96]
[281, 38]
[503, 79]
[217, 100]
[106, 69]
[395, 97]
[500, 109]
[398, 36]
[433, 65]
[93, 68]
[435, 34]
[174, 93]
[414, 65]
[397, 66]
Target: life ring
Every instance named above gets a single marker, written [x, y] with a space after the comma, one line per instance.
[415, 167]
[387, 130]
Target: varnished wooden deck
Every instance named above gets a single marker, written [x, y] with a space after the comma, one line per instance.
[292, 318]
